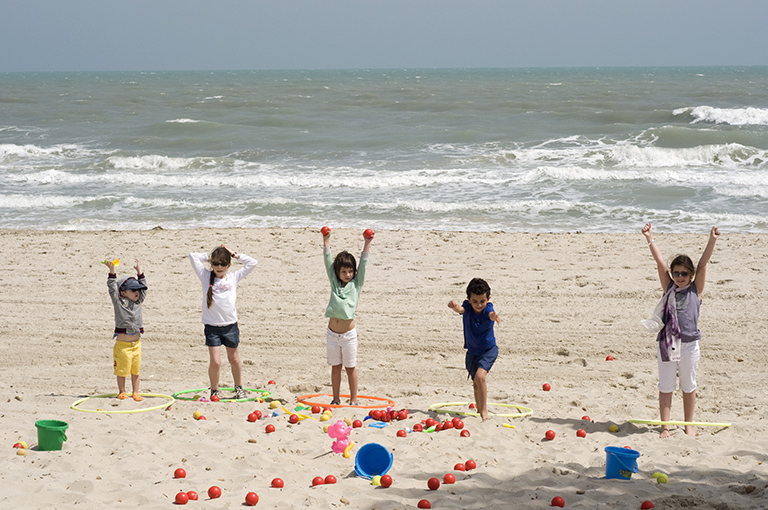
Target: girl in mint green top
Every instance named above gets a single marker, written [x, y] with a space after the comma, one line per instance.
[341, 337]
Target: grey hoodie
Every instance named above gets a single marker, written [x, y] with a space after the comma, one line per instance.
[128, 317]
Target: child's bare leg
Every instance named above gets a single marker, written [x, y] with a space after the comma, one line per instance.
[336, 381]
[121, 388]
[135, 386]
[233, 355]
[481, 392]
[689, 404]
[665, 410]
[214, 366]
[352, 377]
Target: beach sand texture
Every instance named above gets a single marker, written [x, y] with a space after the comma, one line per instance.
[566, 301]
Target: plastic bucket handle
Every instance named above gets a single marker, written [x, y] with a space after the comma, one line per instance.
[614, 454]
[51, 434]
[372, 459]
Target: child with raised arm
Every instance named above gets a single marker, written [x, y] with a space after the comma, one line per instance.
[478, 316]
[219, 312]
[127, 294]
[346, 279]
[678, 350]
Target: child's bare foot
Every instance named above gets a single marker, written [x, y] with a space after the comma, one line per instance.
[690, 430]
[664, 433]
[123, 395]
[137, 397]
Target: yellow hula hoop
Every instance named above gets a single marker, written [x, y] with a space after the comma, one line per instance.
[170, 402]
[680, 423]
[527, 411]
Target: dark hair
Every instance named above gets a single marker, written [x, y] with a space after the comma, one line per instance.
[220, 255]
[685, 261]
[344, 259]
[478, 287]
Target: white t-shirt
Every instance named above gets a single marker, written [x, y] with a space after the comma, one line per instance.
[222, 311]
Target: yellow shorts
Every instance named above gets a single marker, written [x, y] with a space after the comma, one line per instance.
[127, 358]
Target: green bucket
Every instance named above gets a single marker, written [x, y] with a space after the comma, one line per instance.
[50, 434]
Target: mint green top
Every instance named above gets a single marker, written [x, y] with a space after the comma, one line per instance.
[343, 302]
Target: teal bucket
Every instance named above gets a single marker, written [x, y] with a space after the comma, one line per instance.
[50, 434]
[372, 459]
[620, 463]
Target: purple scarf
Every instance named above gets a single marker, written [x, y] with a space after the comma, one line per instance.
[669, 337]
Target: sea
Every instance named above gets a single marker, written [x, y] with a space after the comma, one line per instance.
[515, 150]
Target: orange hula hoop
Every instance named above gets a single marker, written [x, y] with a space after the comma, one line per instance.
[304, 399]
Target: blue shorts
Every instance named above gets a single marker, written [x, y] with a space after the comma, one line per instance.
[484, 361]
[228, 336]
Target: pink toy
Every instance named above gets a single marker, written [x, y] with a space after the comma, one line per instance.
[340, 432]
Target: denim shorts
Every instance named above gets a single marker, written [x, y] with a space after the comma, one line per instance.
[228, 336]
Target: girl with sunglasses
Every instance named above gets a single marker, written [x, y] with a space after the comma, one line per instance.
[678, 350]
[219, 312]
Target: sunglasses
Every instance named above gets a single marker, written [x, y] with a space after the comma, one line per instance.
[680, 274]
[222, 264]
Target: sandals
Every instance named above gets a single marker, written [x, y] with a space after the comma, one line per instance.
[335, 403]
[239, 393]
[137, 397]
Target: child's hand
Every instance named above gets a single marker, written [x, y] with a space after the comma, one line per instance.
[234, 255]
[137, 267]
[714, 233]
[494, 317]
[648, 231]
[453, 305]
[110, 265]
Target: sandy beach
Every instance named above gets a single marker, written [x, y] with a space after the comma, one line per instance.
[567, 301]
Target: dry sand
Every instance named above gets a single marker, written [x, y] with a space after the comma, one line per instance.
[566, 300]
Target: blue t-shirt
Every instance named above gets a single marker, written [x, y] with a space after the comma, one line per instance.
[478, 329]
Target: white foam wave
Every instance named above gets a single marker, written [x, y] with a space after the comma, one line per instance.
[183, 121]
[41, 201]
[150, 162]
[733, 116]
[9, 151]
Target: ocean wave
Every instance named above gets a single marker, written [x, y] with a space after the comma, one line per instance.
[17, 201]
[13, 152]
[732, 116]
[183, 121]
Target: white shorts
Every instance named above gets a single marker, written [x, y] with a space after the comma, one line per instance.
[341, 348]
[685, 369]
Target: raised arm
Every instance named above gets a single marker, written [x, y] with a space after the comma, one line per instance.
[456, 307]
[661, 266]
[701, 267]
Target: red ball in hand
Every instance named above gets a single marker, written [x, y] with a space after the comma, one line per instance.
[368, 234]
[325, 231]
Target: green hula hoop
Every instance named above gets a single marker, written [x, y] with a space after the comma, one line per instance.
[170, 402]
[264, 394]
[680, 423]
[527, 411]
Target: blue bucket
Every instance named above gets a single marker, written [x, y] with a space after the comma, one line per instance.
[371, 460]
[620, 463]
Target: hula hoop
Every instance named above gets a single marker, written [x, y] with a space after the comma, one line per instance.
[170, 402]
[304, 399]
[264, 394]
[681, 423]
[527, 411]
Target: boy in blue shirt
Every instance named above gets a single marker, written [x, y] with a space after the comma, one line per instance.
[479, 340]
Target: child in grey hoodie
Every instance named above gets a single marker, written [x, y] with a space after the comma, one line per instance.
[127, 295]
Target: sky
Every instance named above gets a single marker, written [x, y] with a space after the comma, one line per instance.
[172, 35]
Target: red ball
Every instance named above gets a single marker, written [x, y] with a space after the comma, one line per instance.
[386, 481]
[179, 473]
[550, 435]
[433, 484]
[394, 415]
[581, 433]
[430, 422]
[192, 495]
[402, 415]
[472, 405]
[293, 418]
[449, 478]
[269, 428]
[368, 234]
[258, 414]
[202, 418]
[464, 433]
[646, 505]
[214, 492]
[470, 464]
[318, 480]
[271, 382]
[546, 387]
[558, 501]
[402, 433]
[458, 424]
[182, 498]
[251, 499]
[315, 409]
[325, 231]
[460, 467]
[609, 358]
[357, 424]
[277, 483]
[215, 398]
[586, 418]
[447, 425]
[418, 427]
[424, 504]
[438, 427]
[330, 480]
[252, 417]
